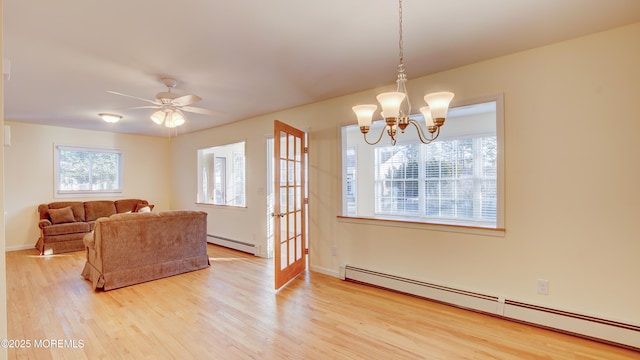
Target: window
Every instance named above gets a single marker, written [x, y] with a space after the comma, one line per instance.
[221, 175]
[83, 170]
[455, 180]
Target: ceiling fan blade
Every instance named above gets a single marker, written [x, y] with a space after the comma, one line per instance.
[200, 110]
[144, 107]
[186, 100]
[133, 97]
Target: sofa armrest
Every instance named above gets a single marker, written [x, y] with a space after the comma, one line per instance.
[44, 223]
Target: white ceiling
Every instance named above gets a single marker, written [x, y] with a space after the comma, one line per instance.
[251, 57]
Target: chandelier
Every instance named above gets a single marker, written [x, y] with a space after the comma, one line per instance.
[396, 107]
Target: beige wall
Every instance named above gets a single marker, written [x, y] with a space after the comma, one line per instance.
[29, 172]
[3, 267]
[572, 175]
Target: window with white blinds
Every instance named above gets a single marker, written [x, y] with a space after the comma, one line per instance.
[82, 170]
[454, 180]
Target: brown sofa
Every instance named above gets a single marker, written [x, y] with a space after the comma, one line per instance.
[127, 249]
[63, 224]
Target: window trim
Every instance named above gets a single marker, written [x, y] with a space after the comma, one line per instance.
[230, 163]
[71, 193]
[499, 228]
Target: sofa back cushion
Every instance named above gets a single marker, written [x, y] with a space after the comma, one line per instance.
[76, 206]
[143, 240]
[97, 209]
[128, 205]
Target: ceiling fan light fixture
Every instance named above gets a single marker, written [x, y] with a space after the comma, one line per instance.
[158, 117]
[110, 118]
[174, 119]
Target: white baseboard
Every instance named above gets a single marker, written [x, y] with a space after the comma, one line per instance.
[19, 247]
[325, 271]
[609, 331]
[233, 244]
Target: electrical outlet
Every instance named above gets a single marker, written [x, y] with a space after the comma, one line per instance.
[543, 287]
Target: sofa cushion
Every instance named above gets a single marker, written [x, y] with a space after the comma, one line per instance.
[127, 205]
[97, 209]
[67, 228]
[61, 216]
[76, 206]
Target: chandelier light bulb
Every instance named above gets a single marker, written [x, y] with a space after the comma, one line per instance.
[364, 113]
[439, 103]
[390, 103]
[426, 113]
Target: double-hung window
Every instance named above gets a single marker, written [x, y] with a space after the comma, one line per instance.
[455, 180]
[87, 170]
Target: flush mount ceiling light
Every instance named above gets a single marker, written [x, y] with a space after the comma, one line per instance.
[110, 118]
[396, 107]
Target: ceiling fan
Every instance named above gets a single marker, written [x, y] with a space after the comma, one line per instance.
[170, 105]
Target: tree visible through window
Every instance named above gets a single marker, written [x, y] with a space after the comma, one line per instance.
[82, 170]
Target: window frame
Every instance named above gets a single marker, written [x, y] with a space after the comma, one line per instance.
[231, 157]
[92, 149]
[451, 225]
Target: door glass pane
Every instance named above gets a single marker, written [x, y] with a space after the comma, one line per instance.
[291, 199]
[298, 149]
[291, 147]
[283, 172]
[283, 200]
[283, 256]
[283, 145]
[298, 247]
[291, 172]
[298, 173]
[292, 252]
[292, 225]
[298, 223]
[298, 198]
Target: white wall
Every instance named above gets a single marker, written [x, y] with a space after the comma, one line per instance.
[572, 176]
[29, 173]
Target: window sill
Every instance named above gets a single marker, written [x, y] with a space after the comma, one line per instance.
[220, 206]
[476, 230]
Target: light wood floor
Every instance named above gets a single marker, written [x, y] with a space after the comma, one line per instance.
[229, 311]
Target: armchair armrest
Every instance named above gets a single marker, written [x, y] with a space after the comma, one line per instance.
[44, 223]
[89, 240]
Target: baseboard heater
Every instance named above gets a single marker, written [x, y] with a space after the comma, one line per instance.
[233, 244]
[603, 330]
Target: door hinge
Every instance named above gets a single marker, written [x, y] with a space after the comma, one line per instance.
[306, 149]
[306, 201]
[306, 251]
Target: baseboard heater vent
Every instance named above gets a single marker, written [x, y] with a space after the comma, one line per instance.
[233, 244]
[608, 331]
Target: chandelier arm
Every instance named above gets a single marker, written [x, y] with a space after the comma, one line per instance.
[377, 141]
[423, 137]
